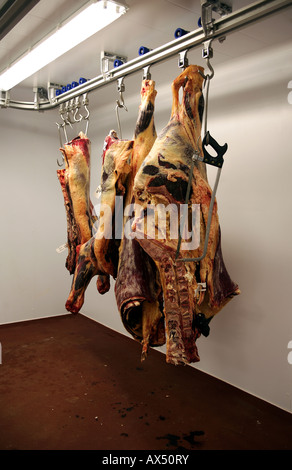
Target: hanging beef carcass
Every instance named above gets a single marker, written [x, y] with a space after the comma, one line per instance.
[137, 288]
[100, 255]
[72, 231]
[116, 159]
[75, 185]
[115, 169]
[162, 179]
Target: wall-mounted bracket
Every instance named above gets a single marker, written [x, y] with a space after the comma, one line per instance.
[51, 90]
[40, 94]
[4, 99]
[107, 58]
[207, 7]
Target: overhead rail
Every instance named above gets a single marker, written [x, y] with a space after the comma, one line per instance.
[220, 28]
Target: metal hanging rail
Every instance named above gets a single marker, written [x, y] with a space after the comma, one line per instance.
[221, 27]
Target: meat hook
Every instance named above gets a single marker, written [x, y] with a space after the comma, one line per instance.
[68, 109]
[61, 144]
[63, 160]
[206, 101]
[120, 103]
[207, 53]
[76, 107]
[65, 122]
[146, 73]
[85, 103]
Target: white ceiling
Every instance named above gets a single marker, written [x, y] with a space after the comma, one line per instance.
[148, 23]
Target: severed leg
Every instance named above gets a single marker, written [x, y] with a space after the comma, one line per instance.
[86, 269]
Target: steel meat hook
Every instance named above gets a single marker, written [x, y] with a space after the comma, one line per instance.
[63, 126]
[65, 122]
[76, 107]
[85, 102]
[69, 109]
[66, 119]
[120, 103]
[61, 144]
[207, 53]
[146, 73]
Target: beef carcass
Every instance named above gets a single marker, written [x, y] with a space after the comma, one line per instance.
[137, 288]
[163, 179]
[77, 158]
[72, 231]
[75, 185]
[101, 254]
[115, 169]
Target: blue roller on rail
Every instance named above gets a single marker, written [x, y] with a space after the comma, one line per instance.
[69, 86]
[179, 32]
[143, 50]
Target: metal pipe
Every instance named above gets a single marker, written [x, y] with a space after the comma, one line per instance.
[222, 26]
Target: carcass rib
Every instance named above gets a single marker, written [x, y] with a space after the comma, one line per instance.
[162, 179]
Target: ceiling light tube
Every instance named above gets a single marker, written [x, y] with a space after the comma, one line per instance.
[95, 17]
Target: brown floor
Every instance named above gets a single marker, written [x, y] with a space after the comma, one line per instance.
[70, 383]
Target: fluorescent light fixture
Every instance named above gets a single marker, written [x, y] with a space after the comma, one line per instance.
[95, 17]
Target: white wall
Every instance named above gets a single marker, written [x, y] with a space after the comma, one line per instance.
[31, 227]
[249, 109]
